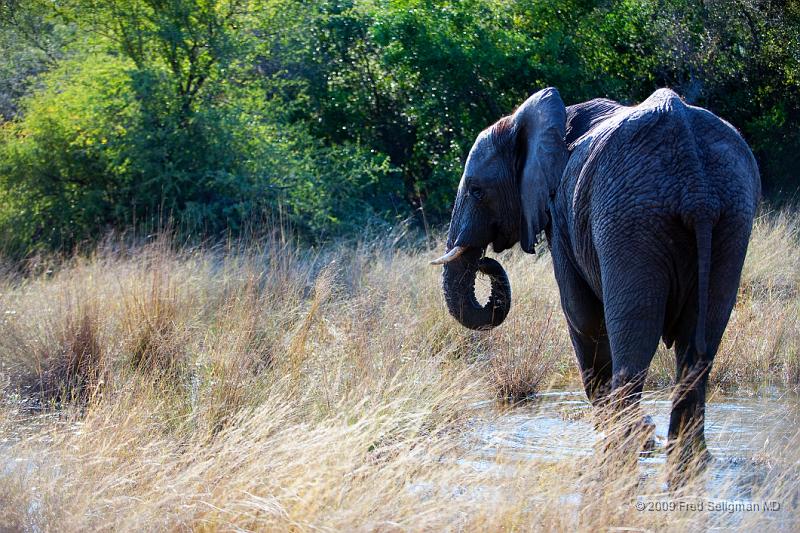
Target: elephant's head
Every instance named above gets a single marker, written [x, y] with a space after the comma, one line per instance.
[511, 172]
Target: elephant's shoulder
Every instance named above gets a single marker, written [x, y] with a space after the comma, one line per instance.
[602, 119]
[626, 126]
[581, 118]
[621, 129]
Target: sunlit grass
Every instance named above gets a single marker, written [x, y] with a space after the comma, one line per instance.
[270, 387]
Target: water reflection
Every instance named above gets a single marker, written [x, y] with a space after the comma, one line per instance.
[740, 430]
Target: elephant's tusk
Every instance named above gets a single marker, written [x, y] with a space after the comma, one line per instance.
[449, 256]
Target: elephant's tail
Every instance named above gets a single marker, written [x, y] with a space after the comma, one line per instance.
[703, 237]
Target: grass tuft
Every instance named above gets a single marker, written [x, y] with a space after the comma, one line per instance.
[264, 386]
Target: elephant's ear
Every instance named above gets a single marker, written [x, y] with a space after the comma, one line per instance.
[540, 122]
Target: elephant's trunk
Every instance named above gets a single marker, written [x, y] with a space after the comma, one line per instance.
[459, 291]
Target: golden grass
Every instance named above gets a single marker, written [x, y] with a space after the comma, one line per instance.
[267, 387]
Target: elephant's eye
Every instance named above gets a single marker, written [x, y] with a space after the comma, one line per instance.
[476, 192]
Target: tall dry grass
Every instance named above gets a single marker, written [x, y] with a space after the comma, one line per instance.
[267, 387]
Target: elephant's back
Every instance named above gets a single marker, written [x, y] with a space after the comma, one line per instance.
[728, 163]
[663, 157]
[647, 174]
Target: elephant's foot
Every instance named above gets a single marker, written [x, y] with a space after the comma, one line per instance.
[648, 429]
[686, 460]
[623, 442]
[642, 431]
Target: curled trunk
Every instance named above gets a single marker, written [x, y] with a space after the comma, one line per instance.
[459, 291]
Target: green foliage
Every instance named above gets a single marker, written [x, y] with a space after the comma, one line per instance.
[417, 80]
[102, 145]
[336, 114]
[31, 42]
[170, 132]
[61, 164]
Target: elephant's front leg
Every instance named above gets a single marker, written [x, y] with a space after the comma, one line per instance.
[594, 360]
[586, 324]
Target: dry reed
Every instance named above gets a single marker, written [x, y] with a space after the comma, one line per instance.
[270, 388]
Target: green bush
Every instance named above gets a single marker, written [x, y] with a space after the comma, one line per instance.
[62, 165]
[101, 147]
[334, 114]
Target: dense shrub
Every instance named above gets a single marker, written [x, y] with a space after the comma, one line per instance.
[100, 147]
[335, 114]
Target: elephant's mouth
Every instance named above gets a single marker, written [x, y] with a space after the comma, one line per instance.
[501, 244]
[461, 265]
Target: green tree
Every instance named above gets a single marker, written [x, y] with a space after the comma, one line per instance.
[337, 113]
[32, 42]
[60, 165]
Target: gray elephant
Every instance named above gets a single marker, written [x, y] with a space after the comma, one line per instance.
[647, 211]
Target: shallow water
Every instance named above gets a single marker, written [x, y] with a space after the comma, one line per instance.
[744, 433]
[559, 423]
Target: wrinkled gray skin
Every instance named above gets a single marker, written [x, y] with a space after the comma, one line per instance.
[647, 211]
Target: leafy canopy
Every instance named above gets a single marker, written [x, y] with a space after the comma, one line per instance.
[338, 114]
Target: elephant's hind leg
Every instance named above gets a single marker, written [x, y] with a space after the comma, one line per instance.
[687, 420]
[635, 302]
[686, 425]
[686, 446]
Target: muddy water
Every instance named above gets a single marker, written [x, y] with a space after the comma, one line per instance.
[745, 433]
[560, 424]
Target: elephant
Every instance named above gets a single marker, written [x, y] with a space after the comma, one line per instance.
[647, 211]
